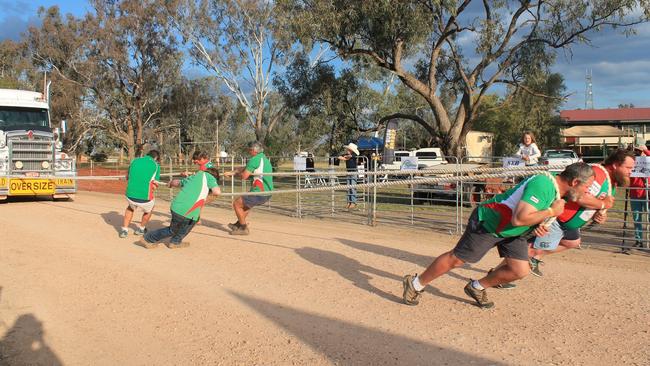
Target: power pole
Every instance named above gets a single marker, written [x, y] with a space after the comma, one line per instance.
[589, 93]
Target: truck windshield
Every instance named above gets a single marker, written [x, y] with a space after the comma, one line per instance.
[14, 117]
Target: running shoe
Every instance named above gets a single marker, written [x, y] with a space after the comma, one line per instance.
[534, 267]
[410, 295]
[480, 296]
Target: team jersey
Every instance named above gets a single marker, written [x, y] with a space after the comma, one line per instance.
[142, 173]
[259, 164]
[574, 216]
[496, 213]
[194, 191]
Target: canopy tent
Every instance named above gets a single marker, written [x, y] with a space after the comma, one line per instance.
[370, 143]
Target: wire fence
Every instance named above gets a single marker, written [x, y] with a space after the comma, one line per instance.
[442, 207]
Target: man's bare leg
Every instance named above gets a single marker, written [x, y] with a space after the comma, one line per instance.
[128, 216]
[441, 265]
[509, 270]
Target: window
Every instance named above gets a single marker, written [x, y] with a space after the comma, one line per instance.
[11, 117]
[561, 154]
[427, 154]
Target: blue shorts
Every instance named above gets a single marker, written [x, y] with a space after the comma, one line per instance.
[252, 201]
[555, 235]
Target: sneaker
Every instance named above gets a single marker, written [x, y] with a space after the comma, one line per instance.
[241, 230]
[139, 231]
[638, 244]
[503, 286]
[145, 244]
[534, 267]
[184, 244]
[124, 233]
[410, 295]
[480, 296]
[234, 225]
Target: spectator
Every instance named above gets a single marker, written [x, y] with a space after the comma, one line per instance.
[309, 163]
[638, 201]
[350, 158]
[528, 150]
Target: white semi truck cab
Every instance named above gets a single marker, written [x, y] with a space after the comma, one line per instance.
[31, 160]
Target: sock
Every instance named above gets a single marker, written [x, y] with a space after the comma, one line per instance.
[125, 228]
[140, 227]
[416, 284]
[477, 285]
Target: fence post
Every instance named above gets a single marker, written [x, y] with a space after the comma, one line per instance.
[374, 196]
[171, 177]
[412, 204]
[298, 198]
[331, 179]
[232, 179]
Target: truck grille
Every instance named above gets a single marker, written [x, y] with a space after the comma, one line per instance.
[31, 154]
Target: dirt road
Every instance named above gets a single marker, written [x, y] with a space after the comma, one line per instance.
[304, 292]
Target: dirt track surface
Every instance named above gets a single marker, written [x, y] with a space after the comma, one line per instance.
[304, 292]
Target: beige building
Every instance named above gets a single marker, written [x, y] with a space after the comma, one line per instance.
[593, 128]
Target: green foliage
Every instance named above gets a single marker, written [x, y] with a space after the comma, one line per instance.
[512, 42]
[519, 111]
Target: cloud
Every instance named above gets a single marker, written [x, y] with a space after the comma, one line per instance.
[619, 67]
[17, 17]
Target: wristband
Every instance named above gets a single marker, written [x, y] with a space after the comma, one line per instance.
[551, 211]
[602, 205]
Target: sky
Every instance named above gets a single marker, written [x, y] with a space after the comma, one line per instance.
[620, 65]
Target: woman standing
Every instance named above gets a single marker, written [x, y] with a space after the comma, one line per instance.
[528, 150]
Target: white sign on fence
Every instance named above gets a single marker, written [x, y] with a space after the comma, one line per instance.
[641, 167]
[513, 163]
[299, 163]
[409, 163]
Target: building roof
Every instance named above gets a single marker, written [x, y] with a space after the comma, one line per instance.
[594, 131]
[606, 115]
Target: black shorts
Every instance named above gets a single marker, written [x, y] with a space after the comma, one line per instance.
[476, 242]
[252, 201]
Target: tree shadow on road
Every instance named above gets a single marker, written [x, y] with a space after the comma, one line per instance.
[23, 344]
[347, 343]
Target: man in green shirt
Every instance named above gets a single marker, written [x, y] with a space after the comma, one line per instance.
[503, 221]
[186, 206]
[143, 174]
[257, 166]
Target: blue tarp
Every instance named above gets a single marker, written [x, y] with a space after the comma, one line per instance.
[370, 143]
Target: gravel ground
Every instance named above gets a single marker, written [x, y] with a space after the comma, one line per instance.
[305, 292]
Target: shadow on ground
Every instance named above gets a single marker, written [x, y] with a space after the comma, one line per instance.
[352, 344]
[360, 274]
[23, 344]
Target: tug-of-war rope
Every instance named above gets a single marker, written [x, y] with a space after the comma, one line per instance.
[486, 173]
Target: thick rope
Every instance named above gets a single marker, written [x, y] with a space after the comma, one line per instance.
[320, 174]
[425, 180]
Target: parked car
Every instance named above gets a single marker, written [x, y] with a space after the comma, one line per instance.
[429, 157]
[397, 163]
[561, 157]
